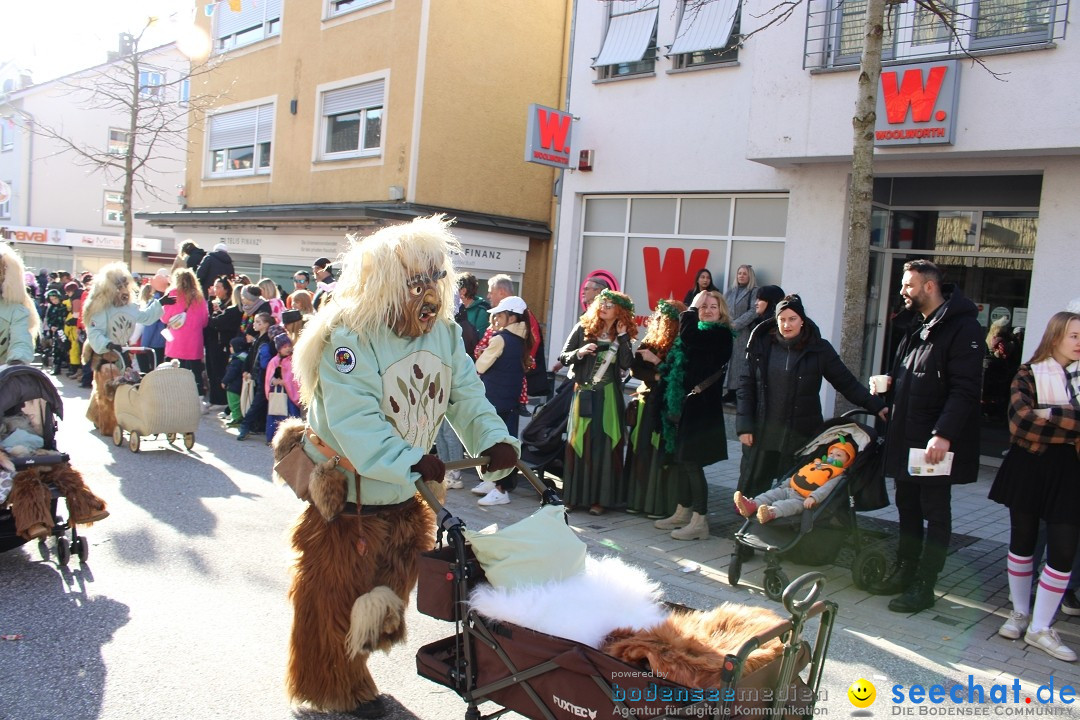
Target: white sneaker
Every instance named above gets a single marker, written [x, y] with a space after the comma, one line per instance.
[1048, 641]
[453, 480]
[495, 497]
[1015, 626]
[483, 488]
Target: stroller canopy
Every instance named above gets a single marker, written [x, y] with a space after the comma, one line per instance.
[21, 383]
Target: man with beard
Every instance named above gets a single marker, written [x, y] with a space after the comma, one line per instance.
[934, 392]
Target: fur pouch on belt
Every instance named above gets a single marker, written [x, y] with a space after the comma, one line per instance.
[328, 489]
[292, 466]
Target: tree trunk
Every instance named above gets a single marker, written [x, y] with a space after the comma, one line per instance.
[860, 195]
[129, 159]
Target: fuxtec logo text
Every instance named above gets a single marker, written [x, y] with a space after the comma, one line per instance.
[977, 699]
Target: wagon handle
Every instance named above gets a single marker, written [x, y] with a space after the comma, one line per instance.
[446, 520]
[795, 606]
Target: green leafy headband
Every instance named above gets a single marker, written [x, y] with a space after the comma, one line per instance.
[619, 299]
[667, 309]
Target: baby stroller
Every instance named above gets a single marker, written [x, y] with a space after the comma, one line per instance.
[27, 391]
[543, 676]
[165, 400]
[543, 441]
[815, 536]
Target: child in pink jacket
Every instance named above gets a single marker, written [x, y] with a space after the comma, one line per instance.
[279, 374]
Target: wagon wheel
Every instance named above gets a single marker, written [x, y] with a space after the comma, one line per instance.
[117, 436]
[133, 442]
[775, 582]
[81, 548]
[189, 440]
[734, 571]
[170, 438]
[868, 568]
[63, 551]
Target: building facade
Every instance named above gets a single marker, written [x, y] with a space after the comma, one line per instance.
[63, 213]
[713, 151]
[341, 116]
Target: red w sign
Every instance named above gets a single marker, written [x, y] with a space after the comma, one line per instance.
[916, 104]
[673, 276]
[548, 136]
[912, 93]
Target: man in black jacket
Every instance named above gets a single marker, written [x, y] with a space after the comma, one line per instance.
[935, 387]
[214, 264]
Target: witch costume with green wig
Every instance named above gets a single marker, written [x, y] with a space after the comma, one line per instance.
[597, 352]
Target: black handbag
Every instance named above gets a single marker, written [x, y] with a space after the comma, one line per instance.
[585, 402]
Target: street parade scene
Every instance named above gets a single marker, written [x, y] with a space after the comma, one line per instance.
[395, 359]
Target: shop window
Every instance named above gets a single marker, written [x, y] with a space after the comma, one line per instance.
[1008, 232]
[352, 120]
[239, 141]
[652, 215]
[708, 33]
[254, 21]
[767, 259]
[761, 217]
[707, 216]
[629, 46]
[118, 142]
[605, 215]
[114, 208]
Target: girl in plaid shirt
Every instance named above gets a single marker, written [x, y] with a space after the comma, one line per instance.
[1039, 480]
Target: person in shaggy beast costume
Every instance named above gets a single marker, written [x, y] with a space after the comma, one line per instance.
[380, 366]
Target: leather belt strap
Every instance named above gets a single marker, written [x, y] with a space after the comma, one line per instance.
[329, 452]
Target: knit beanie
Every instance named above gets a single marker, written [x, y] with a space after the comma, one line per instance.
[273, 331]
[251, 293]
[160, 280]
[793, 303]
[238, 344]
[282, 340]
[771, 294]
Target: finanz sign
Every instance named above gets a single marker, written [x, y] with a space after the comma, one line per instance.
[916, 104]
[547, 140]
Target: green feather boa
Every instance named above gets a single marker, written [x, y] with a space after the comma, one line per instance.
[673, 370]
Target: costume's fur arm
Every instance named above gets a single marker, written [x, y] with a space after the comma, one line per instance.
[13, 289]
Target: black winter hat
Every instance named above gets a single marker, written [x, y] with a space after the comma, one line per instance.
[793, 303]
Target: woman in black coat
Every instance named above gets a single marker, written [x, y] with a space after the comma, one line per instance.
[693, 427]
[779, 404]
[223, 326]
[703, 281]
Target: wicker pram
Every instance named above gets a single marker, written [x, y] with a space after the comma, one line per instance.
[165, 401]
[542, 676]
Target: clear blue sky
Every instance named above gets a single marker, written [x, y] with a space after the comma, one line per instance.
[51, 38]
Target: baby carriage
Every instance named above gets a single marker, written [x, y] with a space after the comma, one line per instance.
[165, 401]
[543, 441]
[29, 398]
[543, 676]
[815, 536]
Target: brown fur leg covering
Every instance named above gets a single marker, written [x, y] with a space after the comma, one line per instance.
[83, 505]
[31, 502]
[339, 562]
[101, 411]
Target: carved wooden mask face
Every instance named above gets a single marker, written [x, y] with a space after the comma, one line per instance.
[422, 304]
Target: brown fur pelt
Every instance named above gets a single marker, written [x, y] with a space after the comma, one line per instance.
[100, 410]
[30, 501]
[83, 505]
[689, 647]
[340, 563]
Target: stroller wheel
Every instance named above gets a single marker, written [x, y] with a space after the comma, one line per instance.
[117, 436]
[63, 551]
[82, 548]
[869, 568]
[170, 438]
[734, 571]
[189, 440]
[775, 582]
[133, 442]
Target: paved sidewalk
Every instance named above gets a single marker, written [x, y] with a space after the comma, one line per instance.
[956, 636]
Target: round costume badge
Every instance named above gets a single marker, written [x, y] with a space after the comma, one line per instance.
[344, 360]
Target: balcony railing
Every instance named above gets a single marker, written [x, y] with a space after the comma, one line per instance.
[835, 28]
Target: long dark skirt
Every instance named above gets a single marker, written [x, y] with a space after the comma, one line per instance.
[594, 449]
[649, 489]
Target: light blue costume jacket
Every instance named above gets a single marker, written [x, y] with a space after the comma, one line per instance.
[16, 342]
[380, 401]
[116, 324]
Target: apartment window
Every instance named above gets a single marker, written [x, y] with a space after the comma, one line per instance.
[340, 7]
[5, 200]
[1008, 22]
[708, 34]
[352, 120]
[239, 141]
[118, 142]
[629, 46]
[7, 133]
[151, 84]
[255, 21]
[114, 208]
[185, 91]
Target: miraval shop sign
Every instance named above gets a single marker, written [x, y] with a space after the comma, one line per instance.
[547, 140]
[916, 104]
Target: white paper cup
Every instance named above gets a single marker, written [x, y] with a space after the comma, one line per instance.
[879, 384]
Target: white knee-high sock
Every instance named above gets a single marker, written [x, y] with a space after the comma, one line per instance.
[1052, 584]
[1020, 571]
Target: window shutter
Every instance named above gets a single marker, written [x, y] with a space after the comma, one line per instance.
[354, 97]
[233, 129]
[705, 27]
[265, 130]
[628, 33]
[250, 15]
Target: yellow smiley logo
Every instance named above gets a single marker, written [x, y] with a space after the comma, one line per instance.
[862, 693]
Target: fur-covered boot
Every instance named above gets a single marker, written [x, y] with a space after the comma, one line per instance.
[31, 505]
[100, 410]
[680, 518]
[84, 507]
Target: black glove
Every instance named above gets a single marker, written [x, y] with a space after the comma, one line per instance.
[15, 362]
[71, 322]
[167, 300]
[430, 468]
[115, 348]
[501, 456]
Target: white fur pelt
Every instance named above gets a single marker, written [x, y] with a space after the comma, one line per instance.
[585, 608]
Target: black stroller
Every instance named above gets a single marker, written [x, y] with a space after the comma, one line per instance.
[543, 441]
[825, 527]
[543, 676]
[28, 391]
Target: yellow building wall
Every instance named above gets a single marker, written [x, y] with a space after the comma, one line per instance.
[486, 62]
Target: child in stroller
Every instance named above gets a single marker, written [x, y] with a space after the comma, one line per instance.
[807, 487]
